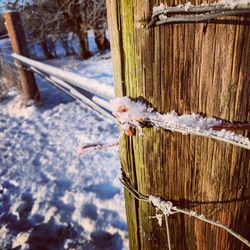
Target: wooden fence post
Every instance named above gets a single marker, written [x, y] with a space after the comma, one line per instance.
[201, 68]
[18, 43]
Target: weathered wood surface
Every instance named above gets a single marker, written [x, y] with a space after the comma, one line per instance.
[202, 68]
[18, 43]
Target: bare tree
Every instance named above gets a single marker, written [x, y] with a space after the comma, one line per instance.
[47, 21]
[2, 27]
[96, 18]
[71, 10]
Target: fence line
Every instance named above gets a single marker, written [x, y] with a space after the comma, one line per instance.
[80, 88]
[78, 81]
[4, 36]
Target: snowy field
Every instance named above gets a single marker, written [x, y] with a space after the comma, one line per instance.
[51, 198]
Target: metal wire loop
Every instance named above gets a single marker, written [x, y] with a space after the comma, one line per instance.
[188, 13]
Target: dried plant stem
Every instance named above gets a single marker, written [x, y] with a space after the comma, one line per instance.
[213, 134]
[93, 147]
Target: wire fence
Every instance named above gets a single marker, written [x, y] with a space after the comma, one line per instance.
[86, 91]
[9, 77]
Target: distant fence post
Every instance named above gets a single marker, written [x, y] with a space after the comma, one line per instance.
[18, 43]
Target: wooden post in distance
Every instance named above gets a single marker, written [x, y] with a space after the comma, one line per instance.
[18, 43]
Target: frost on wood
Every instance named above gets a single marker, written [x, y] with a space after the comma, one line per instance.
[133, 115]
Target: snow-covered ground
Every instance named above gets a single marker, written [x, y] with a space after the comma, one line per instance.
[51, 198]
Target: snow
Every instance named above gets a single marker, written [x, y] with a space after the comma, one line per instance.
[163, 206]
[127, 111]
[134, 114]
[232, 4]
[51, 198]
[81, 81]
[101, 102]
[187, 6]
[160, 7]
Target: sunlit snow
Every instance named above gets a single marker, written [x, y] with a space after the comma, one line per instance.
[51, 198]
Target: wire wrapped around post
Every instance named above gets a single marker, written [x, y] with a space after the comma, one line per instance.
[187, 13]
[168, 208]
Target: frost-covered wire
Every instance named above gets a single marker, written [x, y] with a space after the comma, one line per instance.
[133, 115]
[189, 8]
[214, 223]
[168, 208]
[82, 82]
[90, 147]
[71, 91]
[134, 192]
[164, 14]
[4, 36]
[200, 18]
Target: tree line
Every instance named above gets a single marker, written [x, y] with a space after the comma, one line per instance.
[46, 22]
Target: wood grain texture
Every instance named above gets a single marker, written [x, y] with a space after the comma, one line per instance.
[202, 68]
